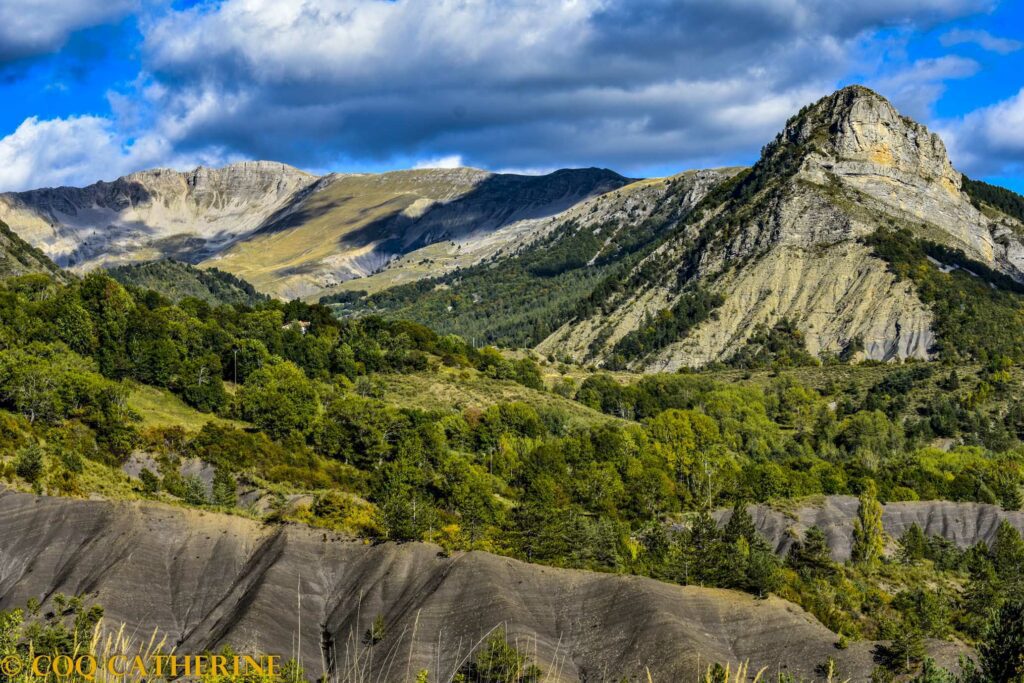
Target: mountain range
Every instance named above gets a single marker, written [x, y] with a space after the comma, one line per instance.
[290, 233]
[268, 388]
[581, 264]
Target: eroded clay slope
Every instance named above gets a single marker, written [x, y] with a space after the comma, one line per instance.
[962, 523]
[207, 579]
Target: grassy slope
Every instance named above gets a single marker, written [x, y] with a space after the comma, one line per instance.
[161, 408]
[278, 261]
[460, 389]
[443, 257]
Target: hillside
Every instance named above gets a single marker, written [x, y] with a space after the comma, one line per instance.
[152, 214]
[287, 232]
[794, 498]
[177, 280]
[520, 297]
[17, 257]
[227, 580]
[802, 239]
[787, 242]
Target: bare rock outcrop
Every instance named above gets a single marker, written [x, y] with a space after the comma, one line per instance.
[288, 232]
[153, 213]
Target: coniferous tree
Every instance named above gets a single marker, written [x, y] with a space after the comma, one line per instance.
[811, 555]
[913, 544]
[1008, 553]
[224, 489]
[1001, 654]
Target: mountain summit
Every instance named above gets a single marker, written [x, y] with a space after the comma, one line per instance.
[699, 268]
[785, 243]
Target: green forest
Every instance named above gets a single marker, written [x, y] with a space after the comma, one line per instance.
[609, 472]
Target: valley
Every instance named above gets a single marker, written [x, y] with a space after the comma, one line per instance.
[613, 428]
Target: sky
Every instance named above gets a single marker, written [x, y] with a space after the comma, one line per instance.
[94, 90]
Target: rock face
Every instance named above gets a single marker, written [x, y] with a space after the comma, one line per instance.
[618, 213]
[206, 580]
[152, 213]
[784, 243]
[286, 231]
[17, 257]
[351, 226]
[899, 163]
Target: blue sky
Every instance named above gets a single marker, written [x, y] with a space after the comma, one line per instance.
[96, 90]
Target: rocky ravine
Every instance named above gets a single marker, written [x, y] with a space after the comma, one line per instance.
[206, 579]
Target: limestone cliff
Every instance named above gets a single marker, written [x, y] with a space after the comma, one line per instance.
[151, 214]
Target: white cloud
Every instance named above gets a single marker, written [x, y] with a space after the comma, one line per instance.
[983, 39]
[990, 140]
[58, 152]
[79, 150]
[450, 161]
[510, 83]
[915, 88]
[493, 83]
[33, 27]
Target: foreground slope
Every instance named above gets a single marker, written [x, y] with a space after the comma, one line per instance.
[206, 580]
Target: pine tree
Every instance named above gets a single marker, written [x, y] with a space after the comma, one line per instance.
[29, 463]
[1001, 655]
[193, 490]
[1008, 552]
[812, 555]
[740, 525]
[150, 482]
[224, 485]
[705, 552]
[913, 544]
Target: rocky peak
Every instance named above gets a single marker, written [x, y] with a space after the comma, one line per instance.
[864, 153]
[243, 181]
[856, 132]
